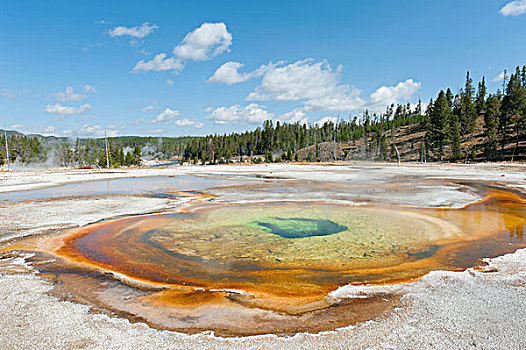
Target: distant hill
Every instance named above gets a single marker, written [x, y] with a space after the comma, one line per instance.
[409, 141]
[9, 132]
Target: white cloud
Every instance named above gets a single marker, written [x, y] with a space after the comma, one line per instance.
[65, 110]
[48, 130]
[88, 88]
[94, 130]
[228, 74]
[166, 117]
[69, 95]
[91, 130]
[252, 114]
[139, 32]
[498, 77]
[113, 133]
[301, 80]
[145, 52]
[327, 119]
[342, 99]
[17, 126]
[296, 115]
[148, 108]
[205, 42]
[159, 63]
[184, 122]
[513, 8]
[170, 82]
[386, 95]
[317, 85]
[189, 122]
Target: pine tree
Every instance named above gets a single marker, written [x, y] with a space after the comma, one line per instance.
[468, 114]
[439, 118]
[121, 158]
[513, 107]
[137, 153]
[454, 135]
[480, 100]
[128, 159]
[449, 97]
[491, 122]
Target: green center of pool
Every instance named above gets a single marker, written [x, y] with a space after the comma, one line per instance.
[298, 227]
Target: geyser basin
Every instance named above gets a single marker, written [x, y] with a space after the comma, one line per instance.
[251, 263]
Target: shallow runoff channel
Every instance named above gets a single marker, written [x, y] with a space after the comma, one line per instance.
[155, 185]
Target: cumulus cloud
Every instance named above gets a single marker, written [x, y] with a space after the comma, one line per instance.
[498, 77]
[91, 130]
[95, 130]
[229, 73]
[145, 52]
[66, 110]
[304, 79]
[166, 116]
[69, 95]
[296, 115]
[159, 63]
[252, 114]
[386, 95]
[88, 89]
[327, 119]
[189, 122]
[205, 42]
[170, 82]
[48, 130]
[314, 83]
[343, 98]
[17, 126]
[148, 108]
[317, 85]
[513, 8]
[138, 32]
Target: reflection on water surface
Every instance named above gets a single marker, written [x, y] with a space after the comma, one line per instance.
[140, 185]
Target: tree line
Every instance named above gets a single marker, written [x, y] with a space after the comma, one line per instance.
[470, 124]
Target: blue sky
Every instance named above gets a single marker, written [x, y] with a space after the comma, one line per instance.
[177, 68]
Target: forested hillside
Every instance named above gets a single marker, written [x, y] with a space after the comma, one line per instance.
[470, 125]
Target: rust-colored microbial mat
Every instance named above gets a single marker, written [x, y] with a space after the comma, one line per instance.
[240, 269]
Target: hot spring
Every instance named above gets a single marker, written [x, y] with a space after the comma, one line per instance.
[281, 259]
[255, 257]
